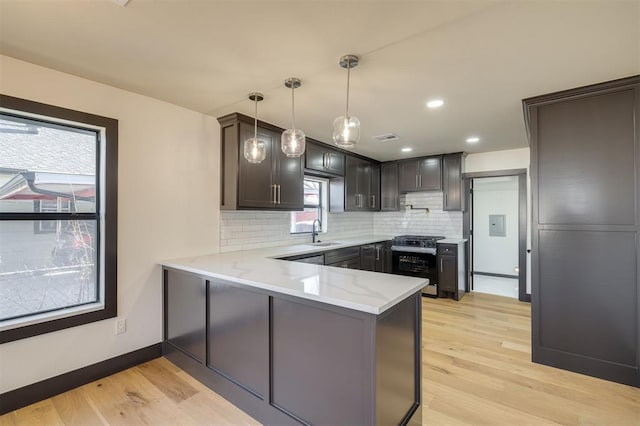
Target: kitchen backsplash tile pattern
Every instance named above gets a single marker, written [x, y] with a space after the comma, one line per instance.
[410, 222]
[246, 230]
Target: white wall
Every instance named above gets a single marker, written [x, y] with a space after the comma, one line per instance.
[506, 160]
[497, 160]
[410, 222]
[168, 176]
[495, 196]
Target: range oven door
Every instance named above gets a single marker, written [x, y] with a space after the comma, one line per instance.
[413, 264]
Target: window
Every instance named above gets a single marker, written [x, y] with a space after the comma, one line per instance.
[314, 200]
[58, 227]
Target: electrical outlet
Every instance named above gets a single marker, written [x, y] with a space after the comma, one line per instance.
[121, 326]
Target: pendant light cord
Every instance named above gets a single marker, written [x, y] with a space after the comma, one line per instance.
[348, 78]
[293, 113]
[255, 119]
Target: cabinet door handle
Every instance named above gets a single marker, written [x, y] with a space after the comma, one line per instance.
[441, 268]
[279, 194]
[373, 201]
[377, 252]
[273, 194]
[417, 182]
[324, 161]
[420, 181]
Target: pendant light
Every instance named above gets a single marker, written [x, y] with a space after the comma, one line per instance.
[255, 151]
[346, 129]
[292, 140]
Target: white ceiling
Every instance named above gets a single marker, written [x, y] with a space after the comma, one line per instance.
[481, 57]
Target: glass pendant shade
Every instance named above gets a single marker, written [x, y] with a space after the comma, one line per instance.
[346, 131]
[255, 150]
[292, 141]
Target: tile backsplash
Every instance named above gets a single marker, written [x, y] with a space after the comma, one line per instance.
[409, 222]
[245, 230]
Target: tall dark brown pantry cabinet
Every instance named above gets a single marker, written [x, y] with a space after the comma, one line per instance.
[585, 223]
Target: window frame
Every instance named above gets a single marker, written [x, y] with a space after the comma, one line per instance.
[319, 207]
[106, 192]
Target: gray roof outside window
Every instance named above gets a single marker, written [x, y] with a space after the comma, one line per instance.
[50, 150]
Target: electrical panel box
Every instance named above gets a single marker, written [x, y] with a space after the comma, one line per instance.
[497, 225]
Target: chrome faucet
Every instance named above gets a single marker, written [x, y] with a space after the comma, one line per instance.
[315, 233]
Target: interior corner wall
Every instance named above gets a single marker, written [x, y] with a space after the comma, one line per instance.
[506, 160]
[168, 206]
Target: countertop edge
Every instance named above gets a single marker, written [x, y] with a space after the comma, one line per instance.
[277, 253]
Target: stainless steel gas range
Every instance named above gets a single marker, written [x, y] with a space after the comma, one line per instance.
[415, 255]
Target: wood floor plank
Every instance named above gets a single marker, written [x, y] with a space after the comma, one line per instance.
[8, 419]
[40, 413]
[74, 409]
[165, 379]
[476, 370]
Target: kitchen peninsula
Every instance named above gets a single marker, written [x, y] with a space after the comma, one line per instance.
[297, 343]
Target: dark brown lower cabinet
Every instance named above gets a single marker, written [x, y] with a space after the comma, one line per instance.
[290, 361]
[348, 257]
[376, 257]
[452, 273]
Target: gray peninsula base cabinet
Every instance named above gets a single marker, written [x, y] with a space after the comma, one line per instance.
[289, 361]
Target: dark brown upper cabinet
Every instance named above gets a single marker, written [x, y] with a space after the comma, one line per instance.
[320, 158]
[389, 194]
[274, 184]
[420, 174]
[452, 196]
[359, 190]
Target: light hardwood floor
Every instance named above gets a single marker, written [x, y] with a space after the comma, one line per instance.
[476, 370]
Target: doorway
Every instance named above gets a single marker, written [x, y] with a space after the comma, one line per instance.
[495, 224]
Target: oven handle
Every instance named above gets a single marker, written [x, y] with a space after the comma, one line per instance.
[408, 249]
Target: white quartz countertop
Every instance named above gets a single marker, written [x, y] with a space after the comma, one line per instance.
[452, 241]
[364, 291]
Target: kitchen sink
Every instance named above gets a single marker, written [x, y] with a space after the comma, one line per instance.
[325, 244]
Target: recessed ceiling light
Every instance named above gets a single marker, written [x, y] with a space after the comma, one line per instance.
[406, 149]
[473, 139]
[435, 103]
